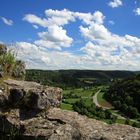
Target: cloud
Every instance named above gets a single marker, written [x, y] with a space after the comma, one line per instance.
[111, 22]
[35, 20]
[56, 37]
[63, 17]
[95, 31]
[89, 18]
[53, 17]
[137, 11]
[7, 21]
[59, 18]
[115, 3]
[39, 58]
[102, 49]
[1, 42]
[109, 49]
[35, 26]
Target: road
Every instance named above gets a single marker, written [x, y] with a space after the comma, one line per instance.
[95, 98]
[96, 101]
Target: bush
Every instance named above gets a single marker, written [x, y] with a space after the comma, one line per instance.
[7, 63]
[9, 66]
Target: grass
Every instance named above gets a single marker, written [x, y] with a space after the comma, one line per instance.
[66, 106]
[120, 121]
[87, 95]
[88, 101]
[102, 101]
[71, 100]
[81, 92]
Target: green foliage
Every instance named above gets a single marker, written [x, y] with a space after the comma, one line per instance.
[127, 121]
[125, 96]
[75, 78]
[66, 106]
[136, 125]
[88, 108]
[7, 63]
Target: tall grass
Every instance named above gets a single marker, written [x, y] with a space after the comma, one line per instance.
[7, 63]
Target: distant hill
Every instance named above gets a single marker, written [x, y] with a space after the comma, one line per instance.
[75, 78]
[125, 96]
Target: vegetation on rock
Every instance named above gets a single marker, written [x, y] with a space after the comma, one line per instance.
[9, 65]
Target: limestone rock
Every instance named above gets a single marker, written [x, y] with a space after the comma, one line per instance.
[32, 95]
[37, 100]
[15, 96]
[31, 114]
[57, 124]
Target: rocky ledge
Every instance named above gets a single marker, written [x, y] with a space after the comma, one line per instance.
[28, 111]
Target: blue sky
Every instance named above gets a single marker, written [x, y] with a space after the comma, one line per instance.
[73, 34]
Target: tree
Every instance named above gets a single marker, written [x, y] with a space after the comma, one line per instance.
[133, 112]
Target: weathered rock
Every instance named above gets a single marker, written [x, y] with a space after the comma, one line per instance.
[37, 100]
[31, 115]
[57, 124]
[1, 73]
[3, 100]
[66, 132]
[33, 95]
[15, 96]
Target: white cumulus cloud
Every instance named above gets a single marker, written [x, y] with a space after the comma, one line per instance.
[137, 11]
[102, 50]
[115, 3]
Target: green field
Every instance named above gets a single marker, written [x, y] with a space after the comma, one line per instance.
[81, 93]
[66, 106]
[71, 100]
[87, 94]
[102, 101]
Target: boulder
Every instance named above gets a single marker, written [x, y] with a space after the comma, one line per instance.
[15, 96]
[57, 124]
[37, 100]
[32, 95]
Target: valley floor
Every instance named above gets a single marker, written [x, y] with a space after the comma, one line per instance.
[95, 95]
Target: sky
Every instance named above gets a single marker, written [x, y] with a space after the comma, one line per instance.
[73, 34]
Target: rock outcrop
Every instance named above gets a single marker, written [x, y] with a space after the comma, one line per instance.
[31, 113]
[30, 95]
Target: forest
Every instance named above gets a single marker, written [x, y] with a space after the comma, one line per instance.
[125, 96]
